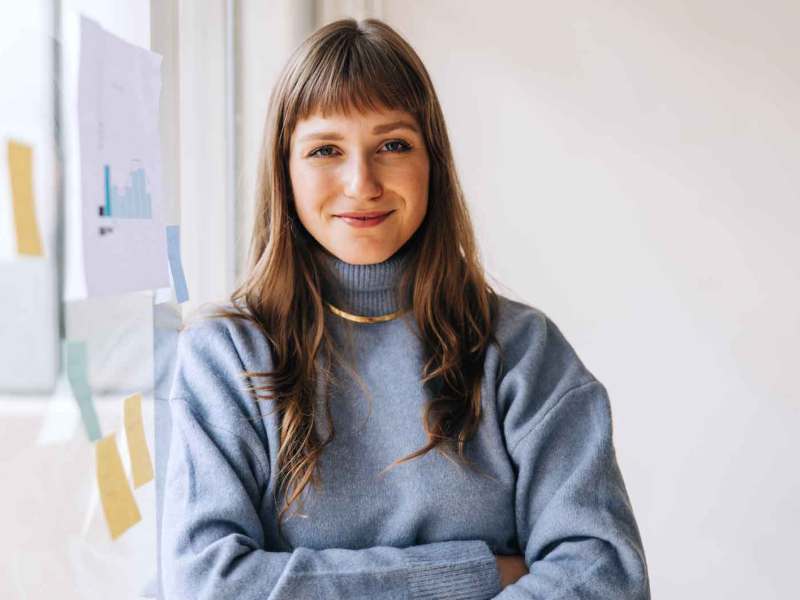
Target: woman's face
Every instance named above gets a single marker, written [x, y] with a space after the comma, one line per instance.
[366, 164]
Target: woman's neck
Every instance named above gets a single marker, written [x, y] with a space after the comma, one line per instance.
[367, 290]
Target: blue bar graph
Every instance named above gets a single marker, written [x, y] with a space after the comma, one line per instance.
[132, 202]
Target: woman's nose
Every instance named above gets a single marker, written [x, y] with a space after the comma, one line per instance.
[361, 179]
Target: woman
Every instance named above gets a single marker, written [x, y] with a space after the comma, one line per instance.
[363, 337]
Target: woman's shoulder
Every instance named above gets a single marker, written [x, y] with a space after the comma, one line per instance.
[517, 317]
[219, 351]
[220, 328]
[529, 338]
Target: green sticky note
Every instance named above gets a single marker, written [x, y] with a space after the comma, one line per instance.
[78, 376]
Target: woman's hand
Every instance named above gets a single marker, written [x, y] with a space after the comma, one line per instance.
[511, 568]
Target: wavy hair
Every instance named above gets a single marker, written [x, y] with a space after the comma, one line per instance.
[364, 65]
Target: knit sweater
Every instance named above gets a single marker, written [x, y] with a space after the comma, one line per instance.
[549, 486]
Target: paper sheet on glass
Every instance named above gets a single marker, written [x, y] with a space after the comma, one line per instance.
[122, 243]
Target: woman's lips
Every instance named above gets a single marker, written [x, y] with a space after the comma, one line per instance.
[365, 213]
[365, 219]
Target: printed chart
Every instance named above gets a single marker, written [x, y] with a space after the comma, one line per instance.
[123, 244]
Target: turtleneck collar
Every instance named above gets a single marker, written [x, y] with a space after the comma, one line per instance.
[368, 290]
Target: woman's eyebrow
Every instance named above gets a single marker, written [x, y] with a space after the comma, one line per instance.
[395, 125]
[384, 128]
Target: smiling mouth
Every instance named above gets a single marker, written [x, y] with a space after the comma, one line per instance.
[361, 220]
[365, 216]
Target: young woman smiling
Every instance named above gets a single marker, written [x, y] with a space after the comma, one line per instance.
[364, 337]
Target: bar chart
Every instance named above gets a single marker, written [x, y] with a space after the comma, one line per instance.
[131, 201]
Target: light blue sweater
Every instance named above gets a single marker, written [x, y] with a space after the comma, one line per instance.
[428, 528]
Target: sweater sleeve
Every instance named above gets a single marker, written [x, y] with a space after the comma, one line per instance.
[575, 522]
[213, 540]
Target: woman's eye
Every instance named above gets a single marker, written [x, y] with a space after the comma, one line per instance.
[315, 152]
[395, 146]
[404, 147]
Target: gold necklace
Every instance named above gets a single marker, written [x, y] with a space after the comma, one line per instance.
[363, 319]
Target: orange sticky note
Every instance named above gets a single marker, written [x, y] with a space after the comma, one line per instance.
[116, 495]
[141, 465]
[20, 169]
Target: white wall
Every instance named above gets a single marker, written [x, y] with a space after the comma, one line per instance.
[203, 149]
[632, 170]
[267, 33]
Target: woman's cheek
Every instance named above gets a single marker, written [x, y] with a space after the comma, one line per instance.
[310, 188]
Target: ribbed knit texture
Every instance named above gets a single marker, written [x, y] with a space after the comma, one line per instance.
[367, 290]
[546, 483]
[454, 574]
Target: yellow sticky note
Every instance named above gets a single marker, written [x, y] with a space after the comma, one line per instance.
[137, 444]
[116, 495]
[20, 169]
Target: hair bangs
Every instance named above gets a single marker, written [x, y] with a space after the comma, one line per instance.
[357, 73]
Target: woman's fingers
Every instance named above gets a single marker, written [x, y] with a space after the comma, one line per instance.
[511, 568]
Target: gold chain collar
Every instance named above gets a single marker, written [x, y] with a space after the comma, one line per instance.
[362, 318]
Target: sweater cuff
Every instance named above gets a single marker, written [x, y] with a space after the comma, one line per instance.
[457, 570]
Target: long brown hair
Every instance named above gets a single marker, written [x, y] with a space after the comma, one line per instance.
[364, 65]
